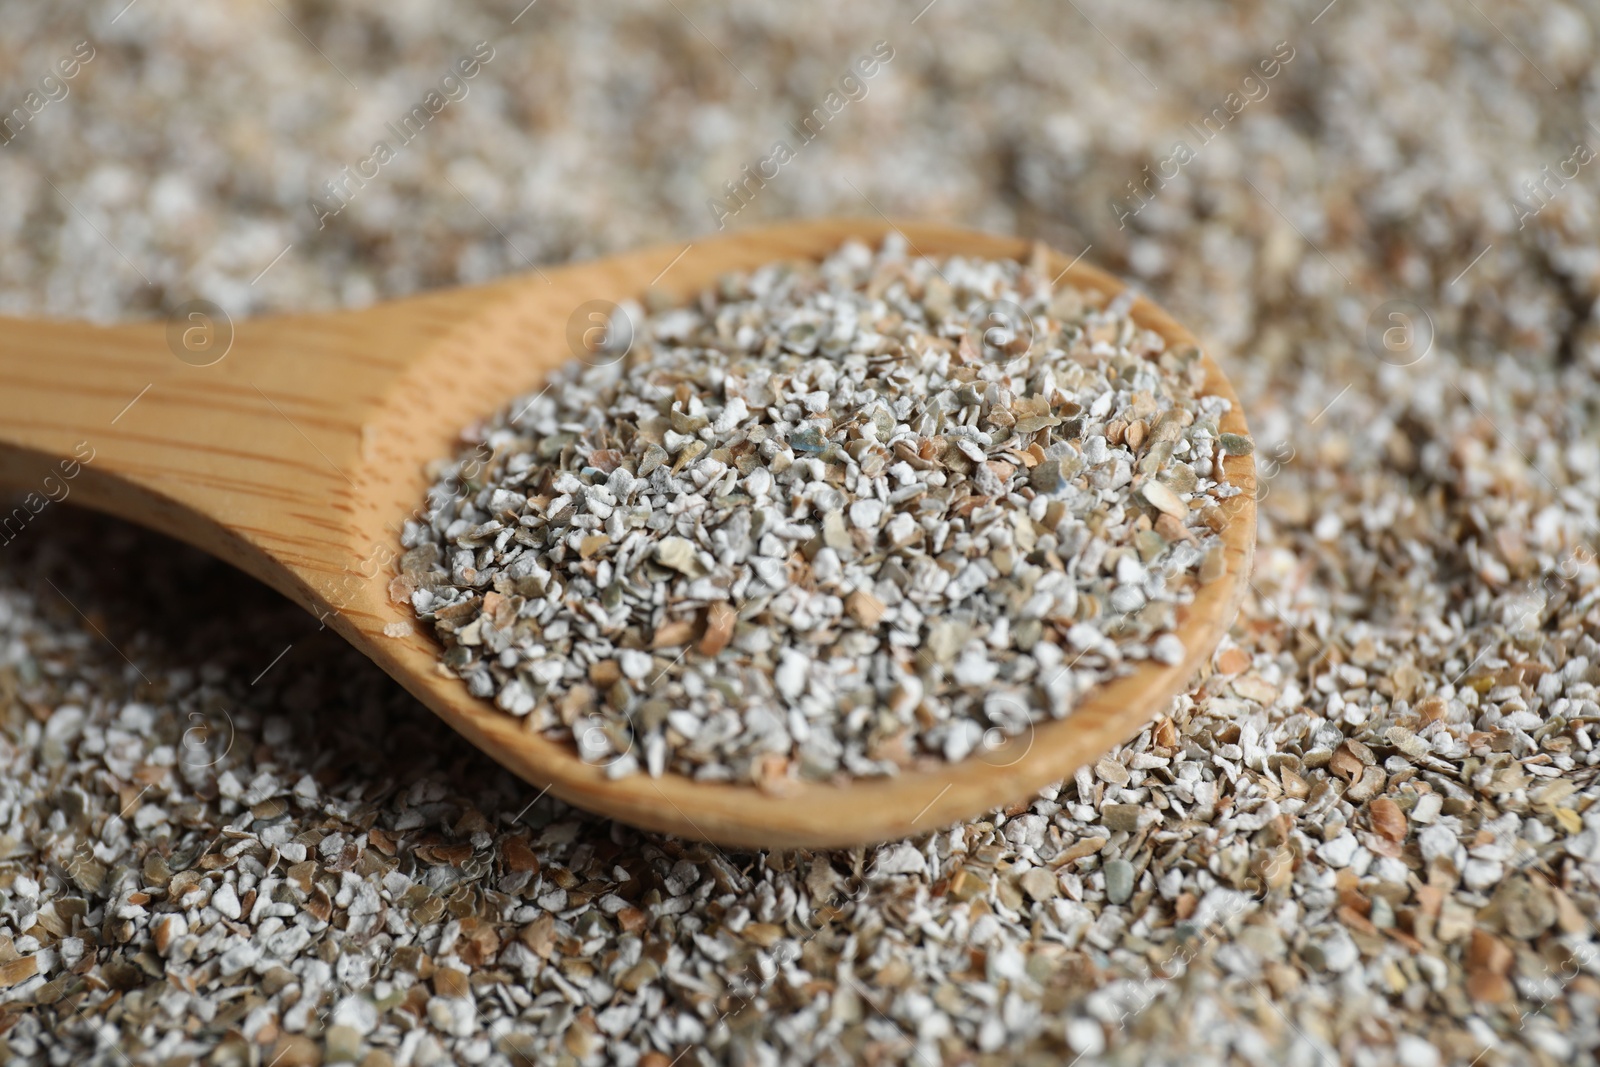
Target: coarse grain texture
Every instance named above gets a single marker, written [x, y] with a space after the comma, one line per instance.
[1421, 640]
[940, 442]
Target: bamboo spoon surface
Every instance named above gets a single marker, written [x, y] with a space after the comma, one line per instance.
[298, 455]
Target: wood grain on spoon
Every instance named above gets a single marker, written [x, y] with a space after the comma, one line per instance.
[298, 456]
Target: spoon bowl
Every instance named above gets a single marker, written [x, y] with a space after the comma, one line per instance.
[295, 448]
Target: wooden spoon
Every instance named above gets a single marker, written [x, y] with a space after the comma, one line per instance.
[298, 453]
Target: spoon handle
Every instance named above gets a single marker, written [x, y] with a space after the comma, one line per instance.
[244, 439]
[91, 415]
